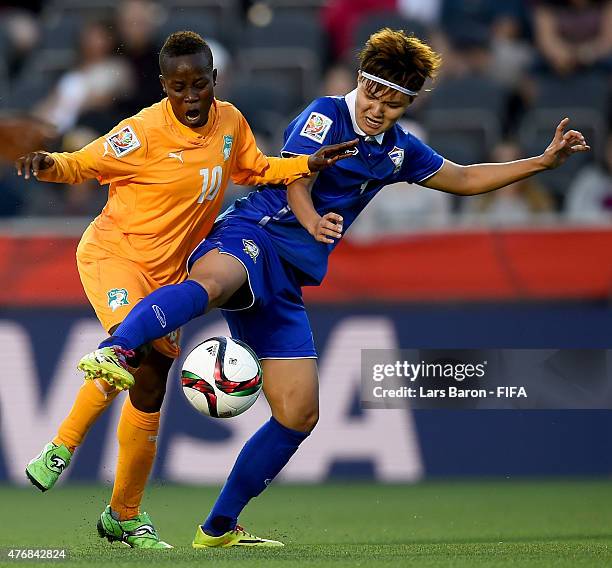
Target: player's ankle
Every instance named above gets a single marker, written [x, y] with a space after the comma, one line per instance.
[123, 515]
[60, 442]
[218, 525]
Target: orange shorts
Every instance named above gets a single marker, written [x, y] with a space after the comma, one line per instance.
[114, 285]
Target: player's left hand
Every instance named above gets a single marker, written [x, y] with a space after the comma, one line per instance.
[328, 155]
[563, 145]
[327, 228]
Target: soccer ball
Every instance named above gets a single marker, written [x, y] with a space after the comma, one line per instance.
[221, 377]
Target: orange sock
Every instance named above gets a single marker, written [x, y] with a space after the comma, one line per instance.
[137, 435]
[92, 399]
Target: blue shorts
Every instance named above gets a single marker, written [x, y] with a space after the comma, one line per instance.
[268, 313]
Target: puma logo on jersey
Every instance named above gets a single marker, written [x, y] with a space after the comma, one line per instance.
[177, 155]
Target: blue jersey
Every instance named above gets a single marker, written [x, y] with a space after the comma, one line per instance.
[345, 188]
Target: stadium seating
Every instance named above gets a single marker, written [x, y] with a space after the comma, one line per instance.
[288, 51]
[262, 103]
[61, 30]
[463, 117]
[391, 20]
[306, 8]
[214, 18]
[182, 19]
[4, 84]
[38, 77]
[85, 10]
[583, 98]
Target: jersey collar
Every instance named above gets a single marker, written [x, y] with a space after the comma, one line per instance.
[351, 99]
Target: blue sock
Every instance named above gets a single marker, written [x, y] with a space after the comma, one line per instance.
[259, 462]
[160, 313]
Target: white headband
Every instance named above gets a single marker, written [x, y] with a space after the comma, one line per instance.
[388, 84]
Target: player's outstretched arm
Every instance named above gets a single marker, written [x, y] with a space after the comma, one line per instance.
[324, 228]
[253, 168]
[101, 159]
[65, 167]
[482, 178]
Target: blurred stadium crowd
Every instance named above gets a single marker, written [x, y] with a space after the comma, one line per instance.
[512, 69]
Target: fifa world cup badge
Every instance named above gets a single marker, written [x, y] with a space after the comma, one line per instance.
[228, 139]
[117, 297]
[317, 126]
[123, 142]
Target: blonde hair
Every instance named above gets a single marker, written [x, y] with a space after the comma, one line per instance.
[399, 58]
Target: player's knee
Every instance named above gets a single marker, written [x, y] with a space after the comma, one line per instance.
[310, 420]
[149, 390]
[303, 420]
[214, 289]
[147, 398]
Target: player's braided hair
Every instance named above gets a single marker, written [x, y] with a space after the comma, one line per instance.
[184, 43]
[400, 58]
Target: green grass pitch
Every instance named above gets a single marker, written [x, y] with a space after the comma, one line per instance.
[459, 524]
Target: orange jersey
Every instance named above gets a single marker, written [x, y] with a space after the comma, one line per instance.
[167, 183]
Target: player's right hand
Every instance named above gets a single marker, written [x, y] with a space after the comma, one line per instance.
[33, 163]
[328, 228]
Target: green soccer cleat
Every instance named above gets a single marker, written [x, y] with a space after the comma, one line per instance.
[44, 470]
[237, 537]
[138, 532]
[109, 364]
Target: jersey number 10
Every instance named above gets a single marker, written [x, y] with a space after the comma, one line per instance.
[210, 190]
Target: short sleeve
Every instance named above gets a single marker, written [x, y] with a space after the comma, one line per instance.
[421, 161]
[316, 126]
